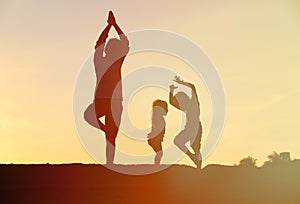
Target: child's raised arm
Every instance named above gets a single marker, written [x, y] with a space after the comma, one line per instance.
[188, 84]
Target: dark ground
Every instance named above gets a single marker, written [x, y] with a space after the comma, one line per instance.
[78, 183]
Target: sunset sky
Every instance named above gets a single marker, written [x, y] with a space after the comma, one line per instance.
[255, 46]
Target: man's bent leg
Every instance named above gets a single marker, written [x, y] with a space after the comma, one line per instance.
[102, 108]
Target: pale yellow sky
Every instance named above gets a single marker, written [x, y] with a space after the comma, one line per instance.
[254, 45]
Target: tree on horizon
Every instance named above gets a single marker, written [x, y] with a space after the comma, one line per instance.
[248, 161]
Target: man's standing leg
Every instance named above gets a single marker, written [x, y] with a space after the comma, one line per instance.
[112, 123]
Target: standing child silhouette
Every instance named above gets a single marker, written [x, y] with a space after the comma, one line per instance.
[155, 137]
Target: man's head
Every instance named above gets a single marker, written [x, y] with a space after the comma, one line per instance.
[113, 47]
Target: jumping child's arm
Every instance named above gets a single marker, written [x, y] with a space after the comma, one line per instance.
[172, 100]
[188, 84]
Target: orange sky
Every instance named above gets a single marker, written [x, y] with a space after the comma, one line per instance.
[254, 45]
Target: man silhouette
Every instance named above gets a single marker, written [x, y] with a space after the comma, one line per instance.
[108, 60]
[192, 131]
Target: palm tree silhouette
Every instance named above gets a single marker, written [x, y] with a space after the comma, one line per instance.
[248, 162]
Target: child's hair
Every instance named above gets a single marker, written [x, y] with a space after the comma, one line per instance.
[160, 103]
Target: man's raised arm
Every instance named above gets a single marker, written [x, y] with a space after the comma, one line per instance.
[112, 21]
[120, 32]
[103, 36]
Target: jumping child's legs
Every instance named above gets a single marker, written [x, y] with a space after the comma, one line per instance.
[180, 141]
[196, 144]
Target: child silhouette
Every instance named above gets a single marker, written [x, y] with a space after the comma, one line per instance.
[192, 131]
[155, 137]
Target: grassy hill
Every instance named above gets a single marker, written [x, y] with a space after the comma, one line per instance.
[79, 183]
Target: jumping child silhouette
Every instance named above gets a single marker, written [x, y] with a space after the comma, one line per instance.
[192, 131]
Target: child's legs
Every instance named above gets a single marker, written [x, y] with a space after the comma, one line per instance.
[197, 142]
[155, 143]
[158, 155]
[180, 141]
